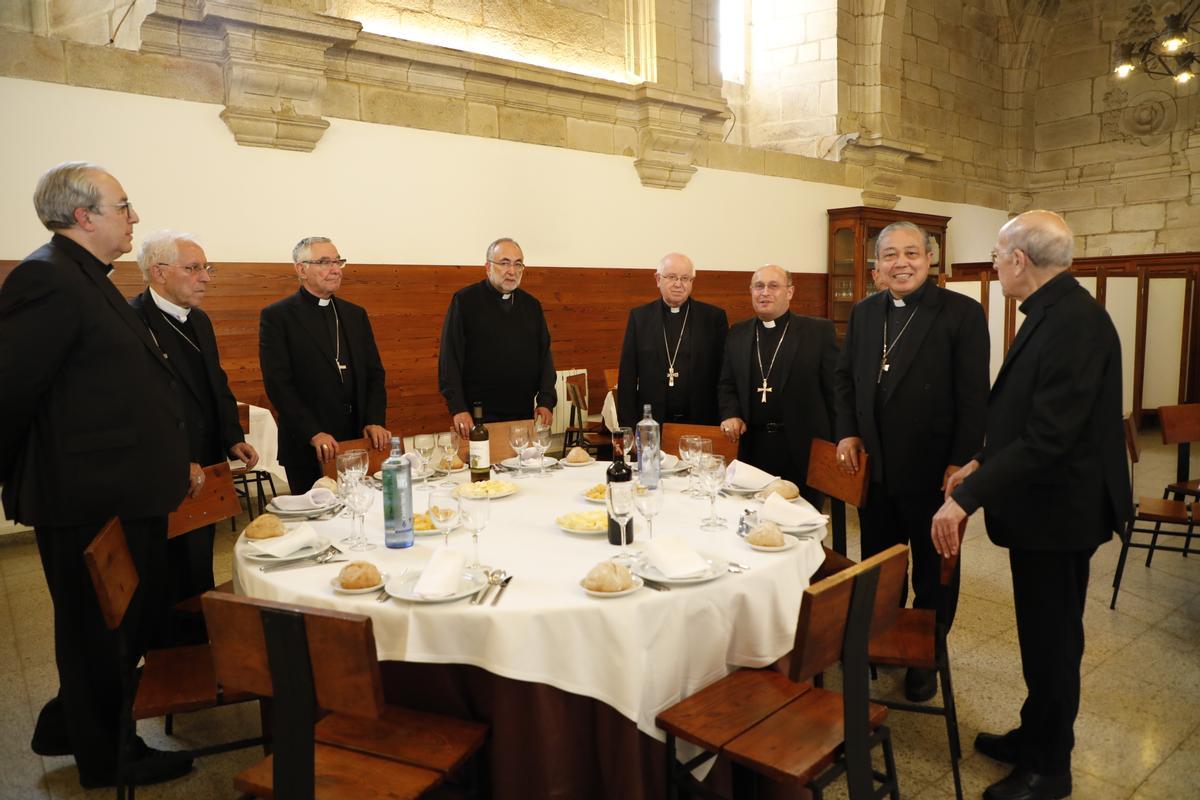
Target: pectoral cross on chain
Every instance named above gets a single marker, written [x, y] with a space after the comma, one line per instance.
[341, 370]
[764, 389]
[671, 376]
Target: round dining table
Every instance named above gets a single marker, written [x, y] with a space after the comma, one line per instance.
[570, 683]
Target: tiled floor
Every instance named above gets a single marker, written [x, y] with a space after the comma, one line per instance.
[1138, 734]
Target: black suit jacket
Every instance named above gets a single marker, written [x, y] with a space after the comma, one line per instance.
[644, 363]
[935, 412]
[803, 376]
[301, 379]
[1053, 473]
[229, 429]
[90, 421]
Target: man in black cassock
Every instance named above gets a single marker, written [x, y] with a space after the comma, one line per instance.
[776, 391]
[320, 367]
[496, 346]
[177, 274]
[671, 356]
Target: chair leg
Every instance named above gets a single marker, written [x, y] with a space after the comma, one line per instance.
[169, 725]
[1121, 563]
[951, 728]
[744, 783]
[889, 762]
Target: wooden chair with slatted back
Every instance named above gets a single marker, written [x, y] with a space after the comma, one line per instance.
[780, 726]
[1179, 515]
[375, 458]
[672, 432]
[584, 429]
[310, 659]
[174, 680]
[825, 476]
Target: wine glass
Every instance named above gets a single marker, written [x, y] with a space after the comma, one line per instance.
[689, 453]
[649, 501]
[424, 444]
[359, 500]
[619, 500]
[518, 440]
[447, 442]
[541, 435]
[712, 477]
[350, 471]
[475, 513]
[444, 511]
[626, 435]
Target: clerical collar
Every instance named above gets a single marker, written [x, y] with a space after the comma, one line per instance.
[502, 295]
[1041, 296]
[312, 298]
[82, 254]
[675, 309]
[911, 299]
[770, 323]
[180, 313]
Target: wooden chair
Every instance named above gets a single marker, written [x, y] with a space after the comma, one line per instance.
[583, 429]
[610, 379]
[314, 660]
[1181, 427]
[785, 729]
[375, 458]
[672, 432]
[243, 477]
[173, 680]
[1175, 513]
[825, 476]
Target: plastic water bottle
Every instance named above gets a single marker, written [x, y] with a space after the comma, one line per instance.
[649, 447]
[397, 499]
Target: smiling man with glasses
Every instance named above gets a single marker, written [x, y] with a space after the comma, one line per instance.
[671, 356]
[496, 346]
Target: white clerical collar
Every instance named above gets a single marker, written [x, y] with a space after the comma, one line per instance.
[323, 301]
[178, 312]
[506, 296]
[898, 302]
[674, 309]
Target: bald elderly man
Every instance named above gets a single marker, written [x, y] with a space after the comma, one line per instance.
[671, 356]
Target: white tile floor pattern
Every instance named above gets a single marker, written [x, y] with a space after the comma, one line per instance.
[1138, 733]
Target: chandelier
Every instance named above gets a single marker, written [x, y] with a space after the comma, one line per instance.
[1167, 53]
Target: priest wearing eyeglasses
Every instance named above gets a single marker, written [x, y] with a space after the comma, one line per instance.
[671, 356]
[320, 367]
[177, 275]
[496, 346]
[776, 391]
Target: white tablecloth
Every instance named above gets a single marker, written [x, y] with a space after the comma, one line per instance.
[264, 437]
[638, 654]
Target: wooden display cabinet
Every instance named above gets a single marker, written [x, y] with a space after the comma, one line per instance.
[852, 235]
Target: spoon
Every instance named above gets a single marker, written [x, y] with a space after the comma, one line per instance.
[495, 577]
[491, 574]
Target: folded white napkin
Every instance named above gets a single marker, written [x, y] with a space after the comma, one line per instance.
[309, 501]
[674, 557]
[746, 476]
[799, 513]
[281, 546]
[441, 575]
[668, 461]
[530, 453]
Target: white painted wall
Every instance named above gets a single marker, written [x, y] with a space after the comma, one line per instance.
[398, 195]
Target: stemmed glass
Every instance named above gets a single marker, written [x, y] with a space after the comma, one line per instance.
[620, 507]
[475, 513]
[689, 452]
[649, 501]
[518, 440]
[541, 439]
[712, 477]
[424, 444]
[444, 511]
[359, 499]
[626, 435]
[351, 467]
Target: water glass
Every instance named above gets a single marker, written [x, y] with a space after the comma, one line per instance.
[518, 440]
[541, 435]
[444, 511]
[424, 444]
[475, 513]
[689, 453]
[712, 477]
[447, 442]
[620, 507]
[627, 440]
[649, 501]
[359, 501]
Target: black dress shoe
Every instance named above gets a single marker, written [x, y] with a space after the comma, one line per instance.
[920, 685]
[1022, 784]
[151, 766]
[50, 733]
[1003, 748]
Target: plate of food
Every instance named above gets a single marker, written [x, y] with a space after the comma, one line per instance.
[494, 488]
[597, 494]
[423, 525]
[401, 587]
[608, 579]
[266, 540]
[358, 577]
[578, 457]
[784, 488]
[588, 523]
[768, 537]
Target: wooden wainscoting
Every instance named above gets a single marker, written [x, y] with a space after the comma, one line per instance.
[586, 309]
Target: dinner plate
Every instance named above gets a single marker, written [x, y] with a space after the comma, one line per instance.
[598, 501]
[454, 471]
[716, 568]
[511, 489]
[337, 587]
[512, 462]
[307, 512]
[762, 495]
[637, 584]
[416, 476]
[566, 463]
[809, 528]
[304, 552]
[679, 466]
[469, 583]
[742, 492]
[788, 543]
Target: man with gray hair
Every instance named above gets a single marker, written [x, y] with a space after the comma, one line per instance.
[321, 367]
[496, 346]
[1054, 485]
[177, 275]
[671, 356]
[91, 428]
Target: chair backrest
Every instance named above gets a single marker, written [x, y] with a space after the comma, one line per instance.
[610, 378]
[1131, 442]
[825, 606]
[114, 575]
[498, 446]
[216, 501]
[1180, 424]
[672, 432]
[825, 476]
[244, 416]
[580, 382]
[375, 458]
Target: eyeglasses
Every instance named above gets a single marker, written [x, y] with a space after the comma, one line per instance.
[996, 254]
[194, 269]
[124, 207]
[326, 263]
[519, 266]
[680, 279]
[759, 288]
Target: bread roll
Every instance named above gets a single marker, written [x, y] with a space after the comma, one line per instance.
[456, 463]
[785, 489]
[766, 535]
[265, 526]
[326, 483]
[359, 575]
[578, 456]
[608, 576]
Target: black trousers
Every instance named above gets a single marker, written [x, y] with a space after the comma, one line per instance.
[906, 519]
[1049, 592]
[88, 706]
[769, 451]
[189, 573]
[301, 477]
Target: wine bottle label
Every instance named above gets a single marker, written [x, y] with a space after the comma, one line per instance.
[480, 454]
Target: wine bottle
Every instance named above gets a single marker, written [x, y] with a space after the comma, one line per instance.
[397, 499]
[618, 472]
[479, 448]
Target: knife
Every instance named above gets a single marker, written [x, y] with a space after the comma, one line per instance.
[655, 585]
[300, 564]
[503, 585]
